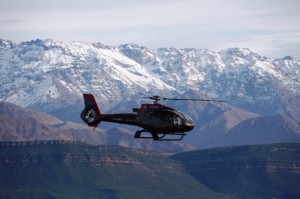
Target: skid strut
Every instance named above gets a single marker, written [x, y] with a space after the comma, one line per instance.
[156, 137]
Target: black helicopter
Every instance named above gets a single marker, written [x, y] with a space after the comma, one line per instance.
[156, 119]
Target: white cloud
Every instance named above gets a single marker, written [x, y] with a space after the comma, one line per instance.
[265, 26]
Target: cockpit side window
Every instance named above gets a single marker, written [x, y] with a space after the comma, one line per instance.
[162, 115]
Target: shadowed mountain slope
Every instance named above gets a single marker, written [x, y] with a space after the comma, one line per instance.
[20, 124]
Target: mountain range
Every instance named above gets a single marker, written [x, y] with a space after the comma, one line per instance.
[262, 93]
[239, 76]
[71, 169]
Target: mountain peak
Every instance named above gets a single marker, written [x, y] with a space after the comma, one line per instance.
[240, 52]
[288, 58]
[131, 46]
[6, 43]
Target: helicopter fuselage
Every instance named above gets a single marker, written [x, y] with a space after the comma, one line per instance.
[156, 119]
[153, 118]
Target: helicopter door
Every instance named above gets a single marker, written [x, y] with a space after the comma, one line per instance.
[163, 116]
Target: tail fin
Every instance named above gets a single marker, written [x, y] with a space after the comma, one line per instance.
[91, 113]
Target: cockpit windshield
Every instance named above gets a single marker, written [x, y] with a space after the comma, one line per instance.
[186, 117]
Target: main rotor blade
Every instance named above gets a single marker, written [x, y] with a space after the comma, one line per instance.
[152, 97]
[156, 98]
[190, 99]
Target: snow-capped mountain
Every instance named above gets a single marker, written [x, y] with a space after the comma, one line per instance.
[50, 75]
[243, 78]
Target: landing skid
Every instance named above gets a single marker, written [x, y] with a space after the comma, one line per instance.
[156, 137]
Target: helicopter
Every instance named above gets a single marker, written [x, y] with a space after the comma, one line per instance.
[155, 119]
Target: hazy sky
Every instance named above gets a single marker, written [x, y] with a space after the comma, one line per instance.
[268, 27]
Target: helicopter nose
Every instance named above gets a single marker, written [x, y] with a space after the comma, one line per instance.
[189, 127]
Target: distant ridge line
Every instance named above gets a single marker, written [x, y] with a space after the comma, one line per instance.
[42, 142]
[216, 149]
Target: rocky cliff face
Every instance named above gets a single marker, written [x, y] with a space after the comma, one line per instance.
[52, 169]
